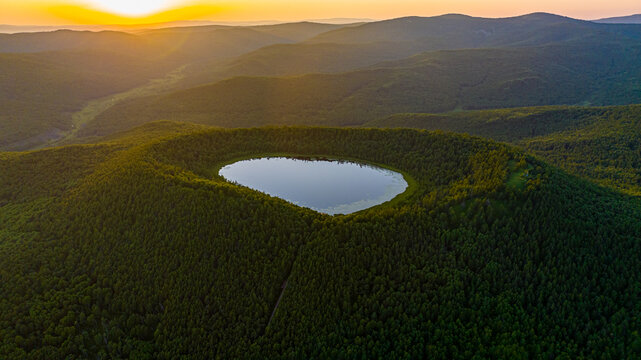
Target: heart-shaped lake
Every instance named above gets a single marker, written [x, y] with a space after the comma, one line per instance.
[327, 186]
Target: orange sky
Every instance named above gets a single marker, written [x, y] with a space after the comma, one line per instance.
[58, 12]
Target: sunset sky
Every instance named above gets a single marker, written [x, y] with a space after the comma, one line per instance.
[57, 12]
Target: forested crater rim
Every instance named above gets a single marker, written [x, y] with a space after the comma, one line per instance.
[326, 185]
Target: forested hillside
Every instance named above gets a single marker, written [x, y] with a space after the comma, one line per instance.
[48, 78]
[351, 47]
[308, 73]
[598, 143]
[519, 236]
[39, 92]
[135, 248]
[573, 73]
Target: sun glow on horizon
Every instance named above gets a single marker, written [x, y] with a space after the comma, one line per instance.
[132, 8]
[79, 14]
[127, 12]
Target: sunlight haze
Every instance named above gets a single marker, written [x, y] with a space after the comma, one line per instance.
[320, 179]
[132, 8]
[42, 12]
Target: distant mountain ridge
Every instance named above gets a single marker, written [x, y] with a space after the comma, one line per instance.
[630, 19]
[14, 29]
[463, 29]
[438, 81]
[359, 45]
[127, 243]
[36, 114]
[343, 74]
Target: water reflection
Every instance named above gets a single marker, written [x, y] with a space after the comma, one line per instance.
[327, 186]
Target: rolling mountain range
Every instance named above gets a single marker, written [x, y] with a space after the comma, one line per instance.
[444, 63]
[518, 236]
[37, 114]
[432, 82]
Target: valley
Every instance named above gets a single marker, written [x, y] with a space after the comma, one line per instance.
[443, 187]
[94, 108]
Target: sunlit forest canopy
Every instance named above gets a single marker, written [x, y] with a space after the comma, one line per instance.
[513, 138]
[109, 240]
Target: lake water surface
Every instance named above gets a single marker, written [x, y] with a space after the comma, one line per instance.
[330, 187]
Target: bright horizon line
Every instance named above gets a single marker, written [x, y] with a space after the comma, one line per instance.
[128, 12]
[343, 20]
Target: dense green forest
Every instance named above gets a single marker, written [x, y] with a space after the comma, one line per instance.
[520, 237]
[598, 143]
[134, 247]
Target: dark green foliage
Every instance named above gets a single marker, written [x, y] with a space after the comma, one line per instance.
[578, 72]
[599, 143]
[135, 248]
[506, 125]
[608, 149]
[139, 250]
[300, 59]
